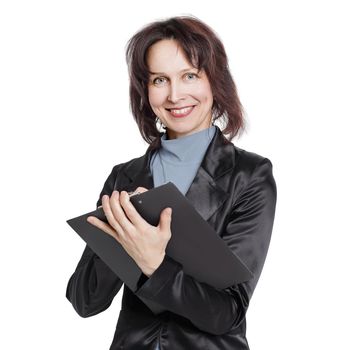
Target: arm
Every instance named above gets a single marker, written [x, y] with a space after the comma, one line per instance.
[93, 285]
[248, 234]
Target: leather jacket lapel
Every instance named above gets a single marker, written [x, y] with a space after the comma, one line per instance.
[208, 190]
[205, 195]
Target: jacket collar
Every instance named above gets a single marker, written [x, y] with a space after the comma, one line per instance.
[208, 190]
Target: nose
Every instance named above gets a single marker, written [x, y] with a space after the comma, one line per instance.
[175, 93]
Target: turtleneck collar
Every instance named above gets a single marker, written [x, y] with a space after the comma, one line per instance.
[186, 148]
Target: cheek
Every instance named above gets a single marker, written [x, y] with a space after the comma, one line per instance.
[204, 94]
[156, 97]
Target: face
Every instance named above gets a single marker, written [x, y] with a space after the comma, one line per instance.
[179, 94]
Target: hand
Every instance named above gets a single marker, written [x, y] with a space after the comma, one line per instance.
[143, 242]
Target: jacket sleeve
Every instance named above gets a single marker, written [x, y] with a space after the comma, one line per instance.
[93, 285]
[247, 233]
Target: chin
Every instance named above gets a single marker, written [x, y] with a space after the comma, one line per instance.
[179, 132]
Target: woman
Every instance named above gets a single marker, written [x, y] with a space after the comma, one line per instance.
[179, 78]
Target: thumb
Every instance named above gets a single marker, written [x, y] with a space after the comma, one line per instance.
[165, 219]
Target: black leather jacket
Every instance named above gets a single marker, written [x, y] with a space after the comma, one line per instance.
[235, 191]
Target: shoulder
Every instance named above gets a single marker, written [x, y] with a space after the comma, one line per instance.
[255, 171]
[248, 160]
[225, 156]
[252, 170]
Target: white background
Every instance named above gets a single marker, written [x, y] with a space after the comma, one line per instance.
[65, 122]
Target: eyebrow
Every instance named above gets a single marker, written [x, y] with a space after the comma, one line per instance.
[161, 73]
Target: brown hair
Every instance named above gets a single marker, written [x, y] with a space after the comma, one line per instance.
[204, 50]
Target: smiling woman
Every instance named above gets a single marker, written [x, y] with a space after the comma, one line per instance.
[179, 77]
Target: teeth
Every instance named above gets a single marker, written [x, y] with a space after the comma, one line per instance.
[181, 111]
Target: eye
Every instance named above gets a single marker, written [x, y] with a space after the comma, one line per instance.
[191, 76]
[159, 80]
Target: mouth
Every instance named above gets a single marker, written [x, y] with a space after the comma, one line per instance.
[180, 112]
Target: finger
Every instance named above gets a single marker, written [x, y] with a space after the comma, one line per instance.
[110, 216]
[132, 214]
[165, 220]
[118, 213]
[141, 189]
[103, 226]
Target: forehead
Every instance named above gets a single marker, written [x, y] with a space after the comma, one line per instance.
[167, 56]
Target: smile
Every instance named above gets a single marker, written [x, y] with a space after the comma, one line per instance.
[179, 113]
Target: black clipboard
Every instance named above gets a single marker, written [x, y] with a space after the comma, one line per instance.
[194, 243]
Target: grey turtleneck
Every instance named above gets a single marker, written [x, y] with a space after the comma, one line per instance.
[178, 160]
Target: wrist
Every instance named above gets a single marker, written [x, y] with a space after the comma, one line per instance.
[148, 271]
